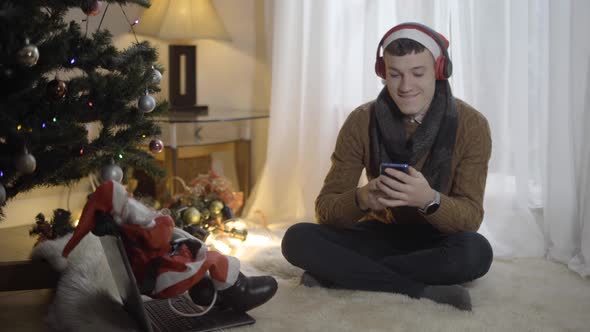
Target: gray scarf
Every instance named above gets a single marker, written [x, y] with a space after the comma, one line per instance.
[435, 136]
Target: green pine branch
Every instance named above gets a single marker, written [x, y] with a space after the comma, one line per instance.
[103, 87]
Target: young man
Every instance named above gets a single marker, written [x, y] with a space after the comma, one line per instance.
[410, 232]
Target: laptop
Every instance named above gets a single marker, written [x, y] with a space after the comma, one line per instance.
[156, 315]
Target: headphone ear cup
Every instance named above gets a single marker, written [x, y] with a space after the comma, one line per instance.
[439, 68]
[448, 68]
[380, 67]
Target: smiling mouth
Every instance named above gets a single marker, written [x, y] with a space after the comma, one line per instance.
[408, 96]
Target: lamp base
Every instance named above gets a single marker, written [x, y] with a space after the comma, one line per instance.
[192, 110]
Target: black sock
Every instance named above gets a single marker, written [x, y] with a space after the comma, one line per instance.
[310, 280]
[454, 295]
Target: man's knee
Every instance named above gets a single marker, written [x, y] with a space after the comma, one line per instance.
[294, 240]
[478, 254]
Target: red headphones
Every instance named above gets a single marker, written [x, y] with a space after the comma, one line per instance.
[443, 66]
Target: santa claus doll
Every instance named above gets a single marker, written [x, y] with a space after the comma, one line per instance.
[167, 261]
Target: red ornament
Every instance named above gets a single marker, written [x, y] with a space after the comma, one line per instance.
[56, 89]
[156, 146]
[92, 7]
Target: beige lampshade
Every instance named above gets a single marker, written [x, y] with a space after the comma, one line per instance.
[182, 20]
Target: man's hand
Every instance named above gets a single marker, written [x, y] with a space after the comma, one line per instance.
[367, 196]
[400, 189]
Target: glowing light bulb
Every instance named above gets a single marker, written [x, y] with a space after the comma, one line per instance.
[220, 246]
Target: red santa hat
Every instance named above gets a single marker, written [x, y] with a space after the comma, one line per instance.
[420, 33]
[435, 42]
[109, 197]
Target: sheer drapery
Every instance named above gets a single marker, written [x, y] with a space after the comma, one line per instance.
[524, 64]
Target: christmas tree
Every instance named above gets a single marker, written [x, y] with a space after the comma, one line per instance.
[57, 81]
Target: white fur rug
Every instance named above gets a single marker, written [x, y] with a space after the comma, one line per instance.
[516, 295]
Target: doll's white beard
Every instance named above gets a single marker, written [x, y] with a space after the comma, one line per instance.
[134, 212]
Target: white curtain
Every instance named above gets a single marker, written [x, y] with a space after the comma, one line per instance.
[524, 64]
[317, 79]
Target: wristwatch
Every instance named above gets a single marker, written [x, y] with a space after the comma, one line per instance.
[431, 207]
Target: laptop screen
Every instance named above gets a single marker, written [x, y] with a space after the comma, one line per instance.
[161, 315]
[124, 279]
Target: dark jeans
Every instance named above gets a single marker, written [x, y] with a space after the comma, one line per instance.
[387, 257]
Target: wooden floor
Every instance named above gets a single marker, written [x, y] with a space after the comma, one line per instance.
[22, 310]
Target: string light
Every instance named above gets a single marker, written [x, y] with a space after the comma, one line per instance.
[86, 32]
[136, 22]
[120, 156]
[143, 136]
[19, 127]
[54, 119]
[90, 104]
[103, 15]
[81, 151]
[1, 174]
[130, 24]
[219, 245]
[43, 125]
[72, 61]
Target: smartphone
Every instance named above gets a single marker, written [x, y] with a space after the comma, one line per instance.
[400, 167]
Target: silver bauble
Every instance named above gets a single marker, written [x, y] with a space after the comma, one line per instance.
[28, 55]
[2, 194]
[111, 172]
[26, 163]
[146, 103]
[156, 76]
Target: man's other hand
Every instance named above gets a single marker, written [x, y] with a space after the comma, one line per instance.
[397, 189]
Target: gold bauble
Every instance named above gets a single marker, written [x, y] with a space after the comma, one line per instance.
[191, 216]
[215, 207]
[205, 214]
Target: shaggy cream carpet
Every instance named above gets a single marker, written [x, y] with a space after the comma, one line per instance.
[516, 295]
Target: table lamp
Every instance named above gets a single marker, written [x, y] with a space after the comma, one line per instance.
[182, 21]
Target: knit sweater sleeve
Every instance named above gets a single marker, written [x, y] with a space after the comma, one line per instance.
[462, 208]
[336, 203]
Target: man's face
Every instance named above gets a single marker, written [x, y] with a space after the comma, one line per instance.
[411, 81]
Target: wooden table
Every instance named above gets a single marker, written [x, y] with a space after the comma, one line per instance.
[179, 152]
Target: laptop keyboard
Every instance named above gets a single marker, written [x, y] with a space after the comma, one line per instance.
[165, 320]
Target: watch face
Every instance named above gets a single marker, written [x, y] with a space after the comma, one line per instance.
[432, 208]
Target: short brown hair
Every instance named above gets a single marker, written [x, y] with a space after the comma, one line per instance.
[403, 46]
